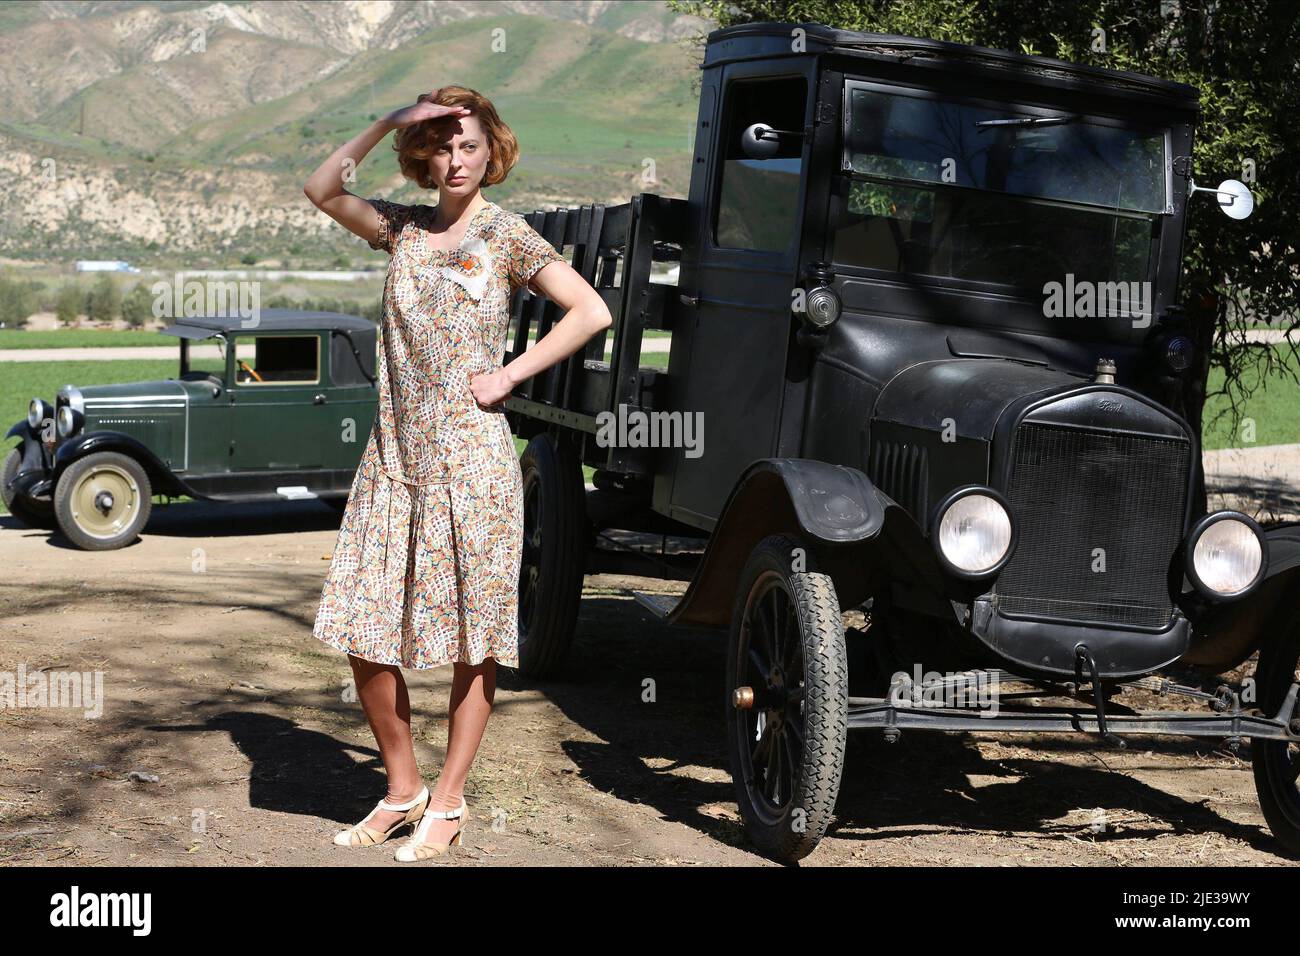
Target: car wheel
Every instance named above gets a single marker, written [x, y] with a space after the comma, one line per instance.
[102, 501]
[33, 512]
[554, 558]
[787, 700]
[1276, 763]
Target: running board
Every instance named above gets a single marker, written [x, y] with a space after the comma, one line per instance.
[660, 605]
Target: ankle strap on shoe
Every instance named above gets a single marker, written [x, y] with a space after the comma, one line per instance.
[423, 794]
[446, 814]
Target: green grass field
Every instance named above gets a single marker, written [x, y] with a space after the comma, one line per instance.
[81, 338]
[1274, 409]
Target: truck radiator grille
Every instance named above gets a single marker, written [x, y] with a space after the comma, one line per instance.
[1087, 501]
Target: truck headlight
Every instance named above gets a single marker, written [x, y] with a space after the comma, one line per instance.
[37, 411]
[1226, 555]
[67, 421]
[972, 532]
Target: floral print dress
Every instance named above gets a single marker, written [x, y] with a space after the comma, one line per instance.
[425, 569]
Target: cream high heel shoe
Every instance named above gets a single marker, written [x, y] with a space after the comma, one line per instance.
[416, 849]
[362, 835]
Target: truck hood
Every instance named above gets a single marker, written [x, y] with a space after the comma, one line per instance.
[967, 395]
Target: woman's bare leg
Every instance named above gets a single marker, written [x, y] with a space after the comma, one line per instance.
[388, 711]
[473, 688]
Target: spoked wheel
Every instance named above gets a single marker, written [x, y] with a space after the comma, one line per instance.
[787, 712]
[554, 557]
[102, 501]
[1276, 763]
[33, 512]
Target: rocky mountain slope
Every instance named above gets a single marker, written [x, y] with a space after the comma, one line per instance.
[151, 130]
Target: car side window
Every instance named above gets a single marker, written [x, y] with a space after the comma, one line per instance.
[757, 202]
[207, 359]
[277, 359]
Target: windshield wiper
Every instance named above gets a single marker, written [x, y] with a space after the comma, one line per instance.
[1029, 121]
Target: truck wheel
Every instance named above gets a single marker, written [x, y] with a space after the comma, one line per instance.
[33, 512]
[787, 669]
[102, 501]
[554, 557]
[1276, 763]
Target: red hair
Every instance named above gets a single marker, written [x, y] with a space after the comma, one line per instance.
[415, 144]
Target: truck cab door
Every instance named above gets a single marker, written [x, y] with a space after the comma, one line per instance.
[734, 323]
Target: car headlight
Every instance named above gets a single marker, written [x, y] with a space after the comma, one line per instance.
[66, 421]
[972, 532]
[1226, 555]
[37, 411]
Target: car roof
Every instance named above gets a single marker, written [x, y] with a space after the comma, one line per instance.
[772, 39]
[269, 320]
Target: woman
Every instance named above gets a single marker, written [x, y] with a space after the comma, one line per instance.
[425, 570]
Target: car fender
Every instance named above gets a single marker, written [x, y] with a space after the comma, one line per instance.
[854, 531]
[88, 443]
[32, 466]
[1224, 635]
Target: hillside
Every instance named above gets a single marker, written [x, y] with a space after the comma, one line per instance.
[183, 131]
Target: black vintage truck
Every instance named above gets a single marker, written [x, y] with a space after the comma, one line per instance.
[925, 337]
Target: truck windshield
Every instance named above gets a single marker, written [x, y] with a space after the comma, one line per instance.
[1009, 195]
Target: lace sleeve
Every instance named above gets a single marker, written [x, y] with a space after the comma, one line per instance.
[527, 252]
[392, 217]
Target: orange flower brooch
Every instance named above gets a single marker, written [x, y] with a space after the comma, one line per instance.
[470, 266]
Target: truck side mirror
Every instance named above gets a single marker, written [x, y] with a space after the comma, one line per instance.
[760, 141]
[1235, 198]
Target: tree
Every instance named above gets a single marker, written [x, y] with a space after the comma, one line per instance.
[104, 302]
[68, 305]
[1241, 56]
[137, 306]
[16, 301]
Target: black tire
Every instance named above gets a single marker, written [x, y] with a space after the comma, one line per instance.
[33, 512]
[787, 750]
[88, 518]
[1276, 763]
[554, 559]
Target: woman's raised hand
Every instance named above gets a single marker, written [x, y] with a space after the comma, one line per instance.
[325, 187]
[423, 110]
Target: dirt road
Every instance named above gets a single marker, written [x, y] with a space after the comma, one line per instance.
[213, 683]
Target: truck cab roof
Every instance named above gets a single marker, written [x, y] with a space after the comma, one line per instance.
[768, 40]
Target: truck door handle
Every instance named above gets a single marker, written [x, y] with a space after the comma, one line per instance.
[319, 399]
[691, 300]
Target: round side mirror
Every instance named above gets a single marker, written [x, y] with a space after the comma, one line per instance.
[759, 141]
[1235, 199]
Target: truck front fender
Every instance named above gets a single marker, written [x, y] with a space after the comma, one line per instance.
[1226, 634]
[852, 529]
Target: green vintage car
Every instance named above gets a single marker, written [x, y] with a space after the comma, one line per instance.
[282, 410]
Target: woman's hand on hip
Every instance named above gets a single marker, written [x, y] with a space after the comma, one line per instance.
[491, 388]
